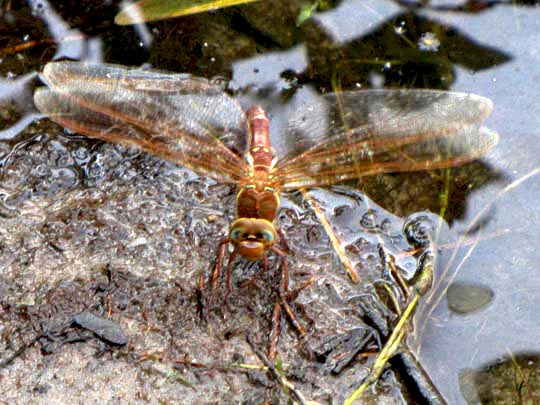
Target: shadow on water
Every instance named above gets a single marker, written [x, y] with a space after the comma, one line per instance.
[71, 207]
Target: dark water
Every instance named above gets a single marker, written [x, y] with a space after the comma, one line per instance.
[70, 207]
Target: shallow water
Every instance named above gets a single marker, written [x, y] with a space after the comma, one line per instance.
[70, 207]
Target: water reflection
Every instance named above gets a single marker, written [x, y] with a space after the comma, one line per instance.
[491, 52]
[509, 379]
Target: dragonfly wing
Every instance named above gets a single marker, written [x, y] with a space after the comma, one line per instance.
[186, 120]
[354, 134]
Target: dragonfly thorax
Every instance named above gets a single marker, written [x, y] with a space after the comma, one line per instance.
[259, 179]
[255, 203]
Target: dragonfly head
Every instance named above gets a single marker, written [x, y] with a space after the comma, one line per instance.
[252, 237]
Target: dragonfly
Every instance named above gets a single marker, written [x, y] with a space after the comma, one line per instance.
[192, 122]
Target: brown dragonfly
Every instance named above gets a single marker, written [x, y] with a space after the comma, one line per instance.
[192, 122]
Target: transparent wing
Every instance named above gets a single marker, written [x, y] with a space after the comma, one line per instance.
[353, 134]
[180, 118]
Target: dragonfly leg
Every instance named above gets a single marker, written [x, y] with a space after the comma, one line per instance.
[283, 241]
[275, 331]
[213, 280]
[289, 313]
[282, 305]
[292, 318]
[293, 295]
[228, 275]
[214, 276]
[284, 284]
[257, 275]
[284, 295]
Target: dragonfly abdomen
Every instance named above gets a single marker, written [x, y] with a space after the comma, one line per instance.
[260, 156]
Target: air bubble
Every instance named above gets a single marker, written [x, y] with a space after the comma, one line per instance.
[418, 230]
[369, 220]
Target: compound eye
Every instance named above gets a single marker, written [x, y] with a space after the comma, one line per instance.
[268, 235]
[236, 233]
